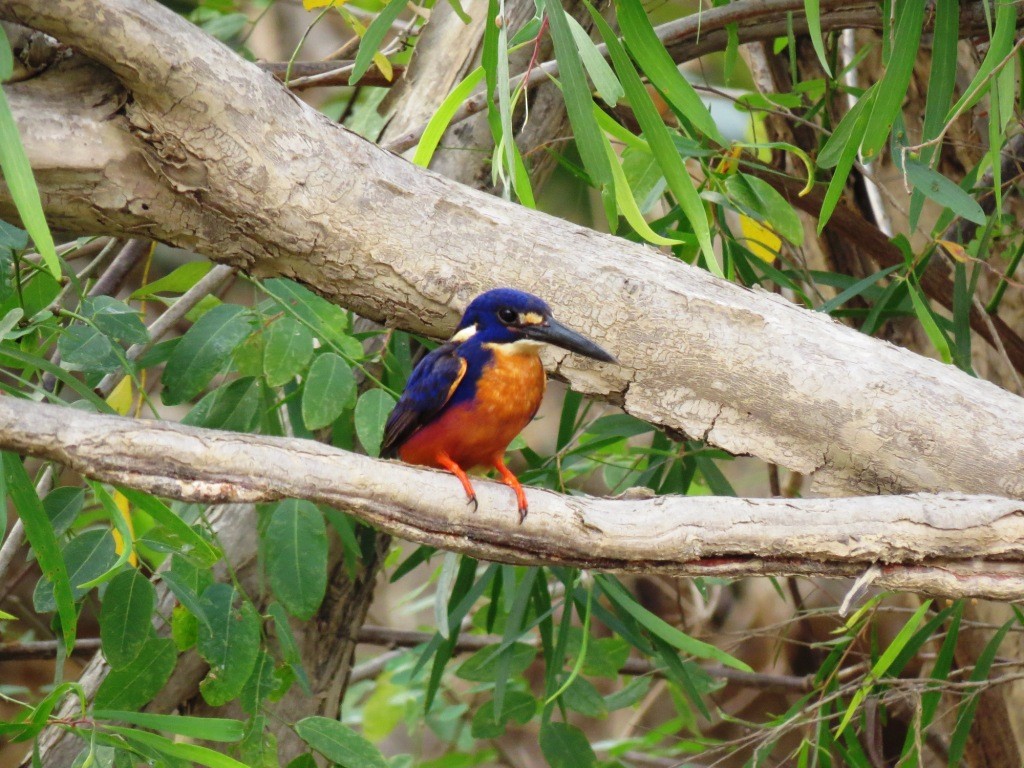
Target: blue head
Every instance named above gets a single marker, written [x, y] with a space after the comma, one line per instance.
[507, 316]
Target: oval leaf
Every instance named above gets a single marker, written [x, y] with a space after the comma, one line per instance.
[372, 412]
[295, 543]
[328, 390]
[287, 350]
[125, 617]
[202, 352]
[339, 743]
[230, 642]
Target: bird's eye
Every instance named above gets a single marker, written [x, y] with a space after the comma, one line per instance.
[507, 316]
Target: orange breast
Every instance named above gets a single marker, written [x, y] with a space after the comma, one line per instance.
[475, 433]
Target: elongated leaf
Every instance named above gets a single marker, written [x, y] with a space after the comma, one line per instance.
[328, 390]
[566, 746]
[295, 544]
[812, 10]
[85, 348]
[121, 526]
[856, 289]
[234, 406]
[20, 181]
[892, 89]
[944, 192]
[601, 75]
[230, 643]
[374, 36]
[63, 505]
[86, 556]
[660, 141]
[133, 685]
[843, 155]
[617, 593]
[125, 617]
[289, 648]
[41, 538]
[203, 352]
[655, 62]
[286, 351]
[372, 411]
[328, 321]
[192, 544]
[192, 753]
[999, 47]
[339, 743]
[627, 204]
[206, 728]
[578, 103]
[178, 281]
[116, 319]
[443, 115]
[928, 322]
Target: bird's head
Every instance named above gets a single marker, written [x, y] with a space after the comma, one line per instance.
[506, 316]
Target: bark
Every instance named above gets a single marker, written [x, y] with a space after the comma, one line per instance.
[211, 153]
[949, 544]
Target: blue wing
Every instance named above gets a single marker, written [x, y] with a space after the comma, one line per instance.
[430, 387]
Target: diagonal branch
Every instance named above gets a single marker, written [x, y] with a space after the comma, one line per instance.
[208, 152]
[951, 544]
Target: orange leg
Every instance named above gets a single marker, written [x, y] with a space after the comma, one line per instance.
[512, 482]
[445, 461]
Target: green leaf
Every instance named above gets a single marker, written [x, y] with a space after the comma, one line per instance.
[191, 753]
[134, 685]
[578, 103]
[662, 145]
[206, 728]
[88, 555]
[230, 643]
[946, 193]
[116, 319]
[654, 60]
[481, 666]
[601, 75]
[519, 707]
[203, 352]
[289, 648]
[259, 685]
[683, 642]
[328, 321]
[372, 411]
[443, 115]
[774, 209]
[841, 151]
[928, 322]
[191, 543]
[178, 281]
[891, 90]
[85, 348]
[373, 37]
[41, 538]
[234, 406]
[812, 10]
[328, 390]
[63, 505]
[287, 350]
[339, 743]
[627, 204]
[566, 746]
[125, 617]
[998, 49]
[21, 183]
[295, 546]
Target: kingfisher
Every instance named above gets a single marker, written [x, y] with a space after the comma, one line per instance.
[468, 399]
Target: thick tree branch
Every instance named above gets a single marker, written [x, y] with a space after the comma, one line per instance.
[213, 154]
[950, 545]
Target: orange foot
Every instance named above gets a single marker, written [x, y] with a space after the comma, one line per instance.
[512, 482]
[445, 461]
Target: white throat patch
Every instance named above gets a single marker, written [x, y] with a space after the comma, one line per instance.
[464, 334]
[520, 347]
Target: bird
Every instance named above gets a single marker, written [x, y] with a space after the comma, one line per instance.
[468, 399]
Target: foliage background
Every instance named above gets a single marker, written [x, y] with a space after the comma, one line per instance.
[636, 675]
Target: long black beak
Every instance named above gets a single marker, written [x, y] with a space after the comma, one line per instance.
[555, 333]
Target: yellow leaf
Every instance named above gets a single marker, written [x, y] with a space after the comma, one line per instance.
[760, 240]
[956, 250]
[383, 65]
[120, 398]
[310, 5]
[123, 507]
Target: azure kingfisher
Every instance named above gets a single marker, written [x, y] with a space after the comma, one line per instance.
[466, 401]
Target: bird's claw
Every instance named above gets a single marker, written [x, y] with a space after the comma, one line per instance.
[472, 500]
[522, 514]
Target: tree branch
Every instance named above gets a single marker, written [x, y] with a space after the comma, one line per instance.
[951, 545]
[213, 154]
